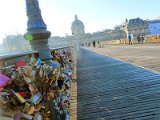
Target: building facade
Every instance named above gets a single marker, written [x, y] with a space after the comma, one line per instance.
[154, 27]
[135, 26]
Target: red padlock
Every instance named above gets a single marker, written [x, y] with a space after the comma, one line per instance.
[20, 63]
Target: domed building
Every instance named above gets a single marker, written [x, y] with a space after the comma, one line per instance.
[77, 27]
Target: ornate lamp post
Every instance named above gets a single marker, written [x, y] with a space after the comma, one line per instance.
[37, 32]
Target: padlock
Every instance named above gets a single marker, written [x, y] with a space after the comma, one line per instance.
[18, 96]
[36, 98]
[32, 61]
[54, 71]
[4, 80]
[27, 116]
[14, 75]
[65, 98]
[27, 71]
[31, 110]
[20, 63]
[4, 93]
[46, 78]
[37, 116]
[52, 94]
[67, 85]
[41, 72]
[57, 73]
[18, 116]
[39, 61]
[26, 107]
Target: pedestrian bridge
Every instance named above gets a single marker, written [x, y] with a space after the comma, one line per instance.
[110, 89]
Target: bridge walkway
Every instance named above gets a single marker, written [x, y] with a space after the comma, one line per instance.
[110, 89]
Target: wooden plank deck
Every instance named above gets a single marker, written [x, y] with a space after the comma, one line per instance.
[109, 89]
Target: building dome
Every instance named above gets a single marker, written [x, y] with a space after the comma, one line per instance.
[77, 27]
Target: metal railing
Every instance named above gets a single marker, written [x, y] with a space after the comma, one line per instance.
[10, 59]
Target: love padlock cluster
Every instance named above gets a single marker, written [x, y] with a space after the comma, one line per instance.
[35, 91]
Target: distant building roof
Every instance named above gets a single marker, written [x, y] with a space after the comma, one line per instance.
[136, 22]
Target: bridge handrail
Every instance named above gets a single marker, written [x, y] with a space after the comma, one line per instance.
[20, 54]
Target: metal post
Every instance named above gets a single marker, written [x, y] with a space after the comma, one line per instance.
[76, 42]
[37, 32]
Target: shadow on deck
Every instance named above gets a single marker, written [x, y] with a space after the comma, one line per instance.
[109, 89]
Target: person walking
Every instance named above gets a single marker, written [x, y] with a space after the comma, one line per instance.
[94, 44]
[130, 38]
[142, 39]
[139, 39]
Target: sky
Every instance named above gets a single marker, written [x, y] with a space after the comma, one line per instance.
[58, 15]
